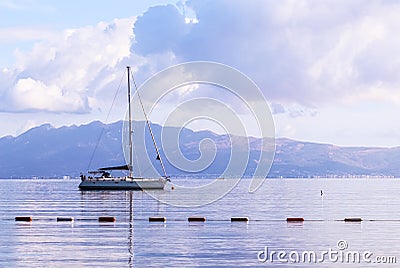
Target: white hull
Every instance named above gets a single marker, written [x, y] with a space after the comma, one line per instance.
[122, 184]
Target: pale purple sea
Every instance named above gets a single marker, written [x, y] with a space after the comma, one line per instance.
[133, 241]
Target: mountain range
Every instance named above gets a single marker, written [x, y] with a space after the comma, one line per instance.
[46, 151]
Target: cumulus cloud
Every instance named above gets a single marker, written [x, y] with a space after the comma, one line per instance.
[62, 73]
[160, 29]
[304, 52]
[29, 94]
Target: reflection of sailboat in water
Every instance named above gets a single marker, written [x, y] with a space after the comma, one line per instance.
[130, 243]
[101, 179]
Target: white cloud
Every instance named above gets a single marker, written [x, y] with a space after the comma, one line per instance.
[304, 55]
[29, 94]
[307, 52]
[61, 72]
[301, 52]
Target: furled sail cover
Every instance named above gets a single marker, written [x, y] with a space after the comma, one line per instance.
[124, 167]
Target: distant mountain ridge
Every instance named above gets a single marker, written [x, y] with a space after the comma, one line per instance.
[46, 151]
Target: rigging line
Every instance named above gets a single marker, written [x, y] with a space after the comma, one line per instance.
[148, 125]
[106, 121]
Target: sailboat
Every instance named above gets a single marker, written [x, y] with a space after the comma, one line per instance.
[101, 178]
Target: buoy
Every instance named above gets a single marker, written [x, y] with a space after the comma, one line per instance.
[107, 219]
[197, 219]
[353, 220]
[29, 219]
[157, 219]
[234, 219]
[65, 218]
[294, 219]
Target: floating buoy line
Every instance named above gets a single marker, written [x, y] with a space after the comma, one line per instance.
[201, 219]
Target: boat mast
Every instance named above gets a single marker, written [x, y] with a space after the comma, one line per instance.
[130, 122]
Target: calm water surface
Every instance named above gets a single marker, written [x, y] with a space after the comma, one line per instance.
[133, 241]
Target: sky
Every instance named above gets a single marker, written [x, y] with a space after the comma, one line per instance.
[330, 70]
